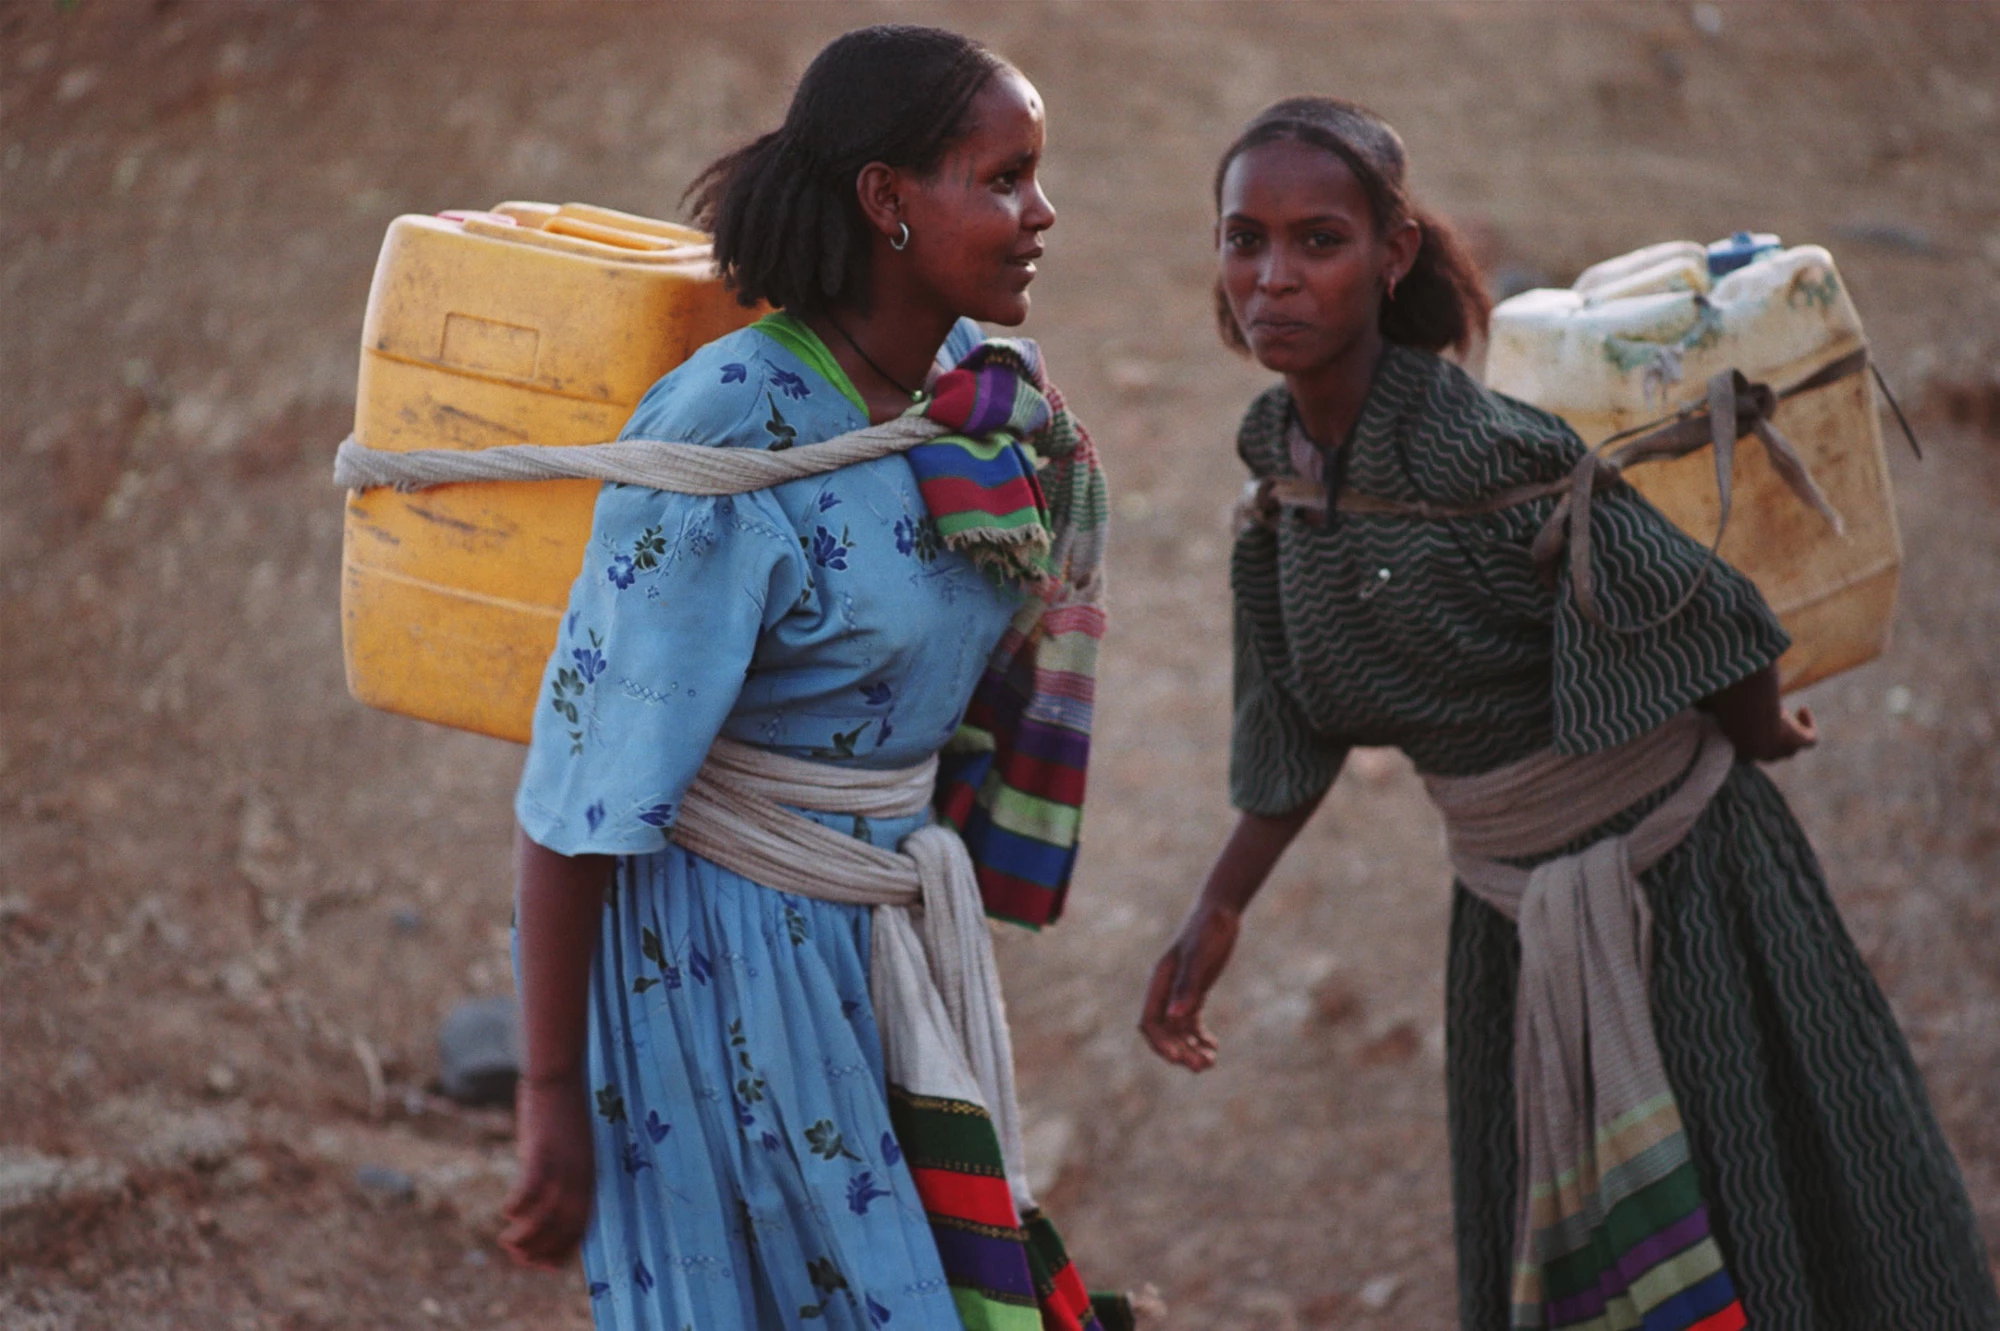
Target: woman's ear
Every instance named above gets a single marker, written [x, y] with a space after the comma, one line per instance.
[1402, 251]
[879, 189]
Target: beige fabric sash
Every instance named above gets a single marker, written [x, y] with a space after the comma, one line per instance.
[931, 975]
[1588, 1080]
[1548, 799]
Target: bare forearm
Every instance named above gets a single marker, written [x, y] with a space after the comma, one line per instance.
[1747, 710]
[557, 903]
[1752, 713]
[1247, 858]
[1171, 1018]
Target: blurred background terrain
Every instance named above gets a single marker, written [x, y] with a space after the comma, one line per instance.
[234, 904]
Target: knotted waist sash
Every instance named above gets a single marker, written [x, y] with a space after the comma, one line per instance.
[931, 971]
[1612, 1230]
[936, 991]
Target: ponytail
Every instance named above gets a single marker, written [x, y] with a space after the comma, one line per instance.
[787, 221]
[1442, 301]
[773, 233]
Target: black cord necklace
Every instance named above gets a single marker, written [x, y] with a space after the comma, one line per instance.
[915, 394]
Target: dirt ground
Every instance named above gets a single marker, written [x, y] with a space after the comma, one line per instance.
[234, 903]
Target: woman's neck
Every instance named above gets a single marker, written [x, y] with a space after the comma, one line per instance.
[887, 352]
[1329, 397]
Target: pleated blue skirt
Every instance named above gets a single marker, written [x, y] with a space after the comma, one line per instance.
[747, 1174]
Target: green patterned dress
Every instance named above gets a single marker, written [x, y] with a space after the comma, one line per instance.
[1832, 1193]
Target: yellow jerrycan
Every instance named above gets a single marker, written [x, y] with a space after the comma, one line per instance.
[1638, 337]
[526, 323]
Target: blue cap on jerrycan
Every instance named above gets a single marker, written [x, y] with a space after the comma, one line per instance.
[1740, 250]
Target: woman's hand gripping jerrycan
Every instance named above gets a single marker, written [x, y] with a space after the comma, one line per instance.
[530, 323]
[1639, 336]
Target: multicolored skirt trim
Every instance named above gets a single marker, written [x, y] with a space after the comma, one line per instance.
[1634, 1251]
[1008, 1272]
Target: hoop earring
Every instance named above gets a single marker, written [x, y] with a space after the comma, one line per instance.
[902, 242]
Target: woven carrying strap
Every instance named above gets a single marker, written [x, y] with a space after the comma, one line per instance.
[1732, 409]
[655, 463]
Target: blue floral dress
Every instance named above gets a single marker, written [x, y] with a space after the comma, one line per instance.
[748, 1176]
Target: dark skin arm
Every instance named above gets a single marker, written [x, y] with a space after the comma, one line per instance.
[1172, 1021]
[558, 901]
[1749, 711]
[1752, 714]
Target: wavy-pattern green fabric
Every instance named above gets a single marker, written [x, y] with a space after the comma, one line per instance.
[1832, 1193]
[1440, 637]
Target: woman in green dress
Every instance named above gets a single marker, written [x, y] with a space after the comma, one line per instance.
[1774, 1161]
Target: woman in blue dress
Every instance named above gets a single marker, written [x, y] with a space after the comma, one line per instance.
[703, 1105]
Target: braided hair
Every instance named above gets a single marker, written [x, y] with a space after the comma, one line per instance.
[1441, 302]
[784, 210]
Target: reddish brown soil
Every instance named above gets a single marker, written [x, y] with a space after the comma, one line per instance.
[221, 880]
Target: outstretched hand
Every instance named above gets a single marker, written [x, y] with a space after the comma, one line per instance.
[1171, 1021]
[550, 1205]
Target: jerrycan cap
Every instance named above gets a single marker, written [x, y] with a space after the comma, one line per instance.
[1740, 250]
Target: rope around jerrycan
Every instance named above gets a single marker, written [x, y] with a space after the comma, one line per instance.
[1733, 408]
[657, 464]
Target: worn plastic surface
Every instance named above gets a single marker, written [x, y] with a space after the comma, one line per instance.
[1640, 335]
[529, 323]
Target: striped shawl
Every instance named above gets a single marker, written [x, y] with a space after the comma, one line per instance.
[1018, 487]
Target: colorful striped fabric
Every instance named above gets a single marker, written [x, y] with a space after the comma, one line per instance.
[1019, 488]
[1066, 1305]
[1623, 1241]
[1007, 1272]
[979, 482]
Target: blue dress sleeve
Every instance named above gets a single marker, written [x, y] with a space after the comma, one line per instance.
[663, 622]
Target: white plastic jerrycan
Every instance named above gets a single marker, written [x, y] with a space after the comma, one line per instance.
[1639, 336]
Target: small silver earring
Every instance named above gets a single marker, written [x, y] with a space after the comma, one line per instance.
[902, 242]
